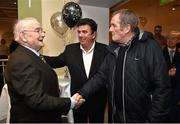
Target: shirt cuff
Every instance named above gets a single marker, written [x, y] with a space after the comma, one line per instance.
[73, 103]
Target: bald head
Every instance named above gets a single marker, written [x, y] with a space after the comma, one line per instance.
[172, 39]
[28, 32]
[22, 25]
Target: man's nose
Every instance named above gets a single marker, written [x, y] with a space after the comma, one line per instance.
[43, 34]
[80, 34]
[110, 29]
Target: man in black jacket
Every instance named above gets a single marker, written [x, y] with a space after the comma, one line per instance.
[83, 60]
[136, 74]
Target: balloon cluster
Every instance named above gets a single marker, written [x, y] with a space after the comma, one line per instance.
[71, 14]
[69, 17]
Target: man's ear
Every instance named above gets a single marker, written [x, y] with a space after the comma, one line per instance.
[127, 28]
[23, 36]
[94, 35]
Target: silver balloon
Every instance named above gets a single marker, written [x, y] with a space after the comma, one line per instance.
[58, 23]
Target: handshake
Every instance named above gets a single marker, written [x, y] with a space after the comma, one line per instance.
[76, 101]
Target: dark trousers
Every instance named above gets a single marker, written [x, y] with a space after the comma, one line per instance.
[90, 112]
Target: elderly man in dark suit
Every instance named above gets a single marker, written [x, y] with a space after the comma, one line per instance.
[32, 84]
[83, 60]
[172, 57]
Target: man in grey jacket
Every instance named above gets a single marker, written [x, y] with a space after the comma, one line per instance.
[136, 74]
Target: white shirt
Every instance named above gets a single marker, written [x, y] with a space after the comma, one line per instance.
[34, 51]
[171, 53]
[87, 58]
[169, 49]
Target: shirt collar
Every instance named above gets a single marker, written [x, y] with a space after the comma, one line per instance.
[136, 34]
[34, 51]
[92, 48]
[174, 49]
[128, 43]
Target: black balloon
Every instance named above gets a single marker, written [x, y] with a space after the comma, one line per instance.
[71, 14]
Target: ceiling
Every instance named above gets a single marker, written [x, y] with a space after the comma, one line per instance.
[100, 3]
[8, 9]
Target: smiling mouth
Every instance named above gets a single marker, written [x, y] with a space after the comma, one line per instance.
[41, 40]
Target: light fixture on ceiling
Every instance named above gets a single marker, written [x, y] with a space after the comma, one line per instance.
[174, 7]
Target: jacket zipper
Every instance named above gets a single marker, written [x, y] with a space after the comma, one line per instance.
[113, 103]
[123, 100]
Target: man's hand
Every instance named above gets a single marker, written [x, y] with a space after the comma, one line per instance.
[172, 71]
[78, 99]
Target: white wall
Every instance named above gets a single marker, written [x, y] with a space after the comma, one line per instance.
[54, 43]
[101, 16]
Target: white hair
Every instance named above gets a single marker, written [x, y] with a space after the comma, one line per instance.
[20, 25]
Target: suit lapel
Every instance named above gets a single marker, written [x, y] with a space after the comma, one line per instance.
[29, 52]
[95, 60]
[175, 56]
[33, 56]
[167, 57]
[79, 59]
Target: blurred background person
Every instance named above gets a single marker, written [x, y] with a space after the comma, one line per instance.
[172, 57]
[178, 42]
[32, 84]
[4, 49]
[13, 46]
[4, 52]
[159, 37]
[83, 59]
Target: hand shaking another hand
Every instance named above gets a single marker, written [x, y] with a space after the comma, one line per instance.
[78, 100]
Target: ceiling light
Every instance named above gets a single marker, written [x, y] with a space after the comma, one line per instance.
[174, 7]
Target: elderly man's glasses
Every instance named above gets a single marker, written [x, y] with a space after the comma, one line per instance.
[37, 30]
